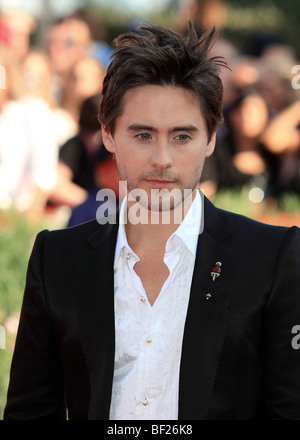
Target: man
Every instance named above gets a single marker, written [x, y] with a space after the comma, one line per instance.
[161, 316]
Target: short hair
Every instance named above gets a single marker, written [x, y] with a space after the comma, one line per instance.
[154, 55]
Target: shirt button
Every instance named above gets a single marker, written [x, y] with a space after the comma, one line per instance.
[128, 256]
[142, 299]
[149, 340]
[145, 402]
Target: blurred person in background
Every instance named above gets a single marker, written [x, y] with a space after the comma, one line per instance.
[86, 80]
[240, 157]
[275, 76]
[231, 53]
[31, 130]
[84, 167]
[273, 166]
[38, 83]
[99, 48]
[282, 139]
[68, 42]
[18, 26]
[234, 135]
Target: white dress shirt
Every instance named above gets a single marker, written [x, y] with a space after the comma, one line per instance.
[149, 338]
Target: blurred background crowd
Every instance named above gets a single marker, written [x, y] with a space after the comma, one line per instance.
[52, 160]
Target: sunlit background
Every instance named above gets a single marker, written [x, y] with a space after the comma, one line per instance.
[53, 57]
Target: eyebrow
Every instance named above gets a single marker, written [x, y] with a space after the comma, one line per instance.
[138, 127]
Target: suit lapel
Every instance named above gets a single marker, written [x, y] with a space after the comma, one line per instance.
[206, 318]
[95, 298]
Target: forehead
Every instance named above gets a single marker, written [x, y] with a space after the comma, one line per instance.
[160, 105]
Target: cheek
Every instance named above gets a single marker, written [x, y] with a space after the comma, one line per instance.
[197, 157]
[191, 165]
[127, 163]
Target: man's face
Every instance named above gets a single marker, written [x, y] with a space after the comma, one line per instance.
[160, 142]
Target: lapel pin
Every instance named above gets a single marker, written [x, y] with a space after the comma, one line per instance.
[208, 296]
[216, 271]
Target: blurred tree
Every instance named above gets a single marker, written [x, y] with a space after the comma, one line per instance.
[244, 19]
[275, 18]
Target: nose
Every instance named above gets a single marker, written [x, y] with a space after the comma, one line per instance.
[161, 157]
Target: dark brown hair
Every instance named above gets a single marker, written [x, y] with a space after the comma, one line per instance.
[157, 56]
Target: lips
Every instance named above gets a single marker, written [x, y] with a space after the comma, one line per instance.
[157, 183]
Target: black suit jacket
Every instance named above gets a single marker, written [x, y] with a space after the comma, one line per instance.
[237, 361]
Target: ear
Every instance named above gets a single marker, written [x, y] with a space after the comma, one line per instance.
[108, 140]
[211, 145]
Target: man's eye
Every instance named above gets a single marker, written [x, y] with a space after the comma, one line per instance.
[144, 136]
[183, 137]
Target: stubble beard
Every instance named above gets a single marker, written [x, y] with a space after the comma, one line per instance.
[160, 200]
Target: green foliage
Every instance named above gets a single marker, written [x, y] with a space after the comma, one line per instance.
[235, 200]
[5, 362]
[16, 239]
[264, 17]
[284, 211]
[289, 203]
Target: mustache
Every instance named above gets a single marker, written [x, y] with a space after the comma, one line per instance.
[161, 175]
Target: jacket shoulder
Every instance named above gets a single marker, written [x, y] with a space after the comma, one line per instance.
[249, 232]
[76, 238]
[240, 221]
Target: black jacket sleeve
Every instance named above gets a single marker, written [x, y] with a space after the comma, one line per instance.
[36, 388]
